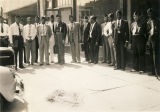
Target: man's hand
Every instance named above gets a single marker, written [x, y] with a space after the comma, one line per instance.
[96, 43]
[63, 41]
[126, 44]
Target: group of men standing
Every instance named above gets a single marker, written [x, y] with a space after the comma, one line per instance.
[115, 35]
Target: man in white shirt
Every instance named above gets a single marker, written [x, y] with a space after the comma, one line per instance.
[29, 34]
[109, 31]
[16, 40]
[52, 25]
[106, 49]
[4, 29]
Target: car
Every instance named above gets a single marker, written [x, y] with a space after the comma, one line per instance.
[11, 84]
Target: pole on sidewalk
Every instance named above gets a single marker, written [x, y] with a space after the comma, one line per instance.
[74, 9]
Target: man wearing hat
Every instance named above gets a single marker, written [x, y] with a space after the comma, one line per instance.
[74, 38]
[29, 34]
[154, 40]
[121, 37]
[138, 31]
[16, 40]
[94, 36]
[37, 23]
[60, 32]
[4, 30]
[106, 50]
[85, 33]
[44, 33]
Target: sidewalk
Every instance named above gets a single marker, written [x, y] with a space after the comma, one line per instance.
[86, 88]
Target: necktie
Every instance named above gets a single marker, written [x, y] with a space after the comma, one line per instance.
[53, 27]
[19, 29]
[30, 30]
[2, 30]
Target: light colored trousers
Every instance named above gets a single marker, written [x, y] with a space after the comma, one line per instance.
[44, 49]
[51, 47]
[112, 49]
[30, 48]
[75, 49]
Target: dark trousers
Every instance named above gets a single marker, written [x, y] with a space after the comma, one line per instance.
[36, 50]
[60, 45]
[93, 50]
[120, 51]
[86, 51]
[4, 41]
[154, 51]
[24, 52]
[18, 48]
[138, 46]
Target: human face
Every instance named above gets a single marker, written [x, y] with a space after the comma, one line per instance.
[52, 19]
[43, 21]
[136, 17]
[58, 19]
[105, 19]
[71, 19]
[118, 16]
[29, 20]
[37, 20]
[17, 19]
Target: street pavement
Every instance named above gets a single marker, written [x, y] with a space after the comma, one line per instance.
[84, 87]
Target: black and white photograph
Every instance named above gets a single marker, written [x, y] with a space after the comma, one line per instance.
[79, 55]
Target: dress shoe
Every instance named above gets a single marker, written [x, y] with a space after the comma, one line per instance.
[111, 64]
[21, 67]
[141, 72]
[104, 62]
[73, 61]
[47, 64]
[40, 64]
[133, 70]
[52, 61]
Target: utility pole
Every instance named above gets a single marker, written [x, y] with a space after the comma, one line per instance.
[74, 9]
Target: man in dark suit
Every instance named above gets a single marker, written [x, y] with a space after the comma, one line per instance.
[121, 34]
[60, 35]
[138, 30]
[94, 36]
[85, 31]
[153, 40]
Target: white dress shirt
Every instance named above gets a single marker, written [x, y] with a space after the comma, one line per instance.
[29, 32]
[42, 30]
[91, 29]
[135, 28]
[108, 29]
[14, 30]
[51, 26]
[5, 29]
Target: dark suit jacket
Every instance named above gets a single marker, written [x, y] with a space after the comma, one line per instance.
[63, 28]
[86, 32]
[124, 31]
[96, 32]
